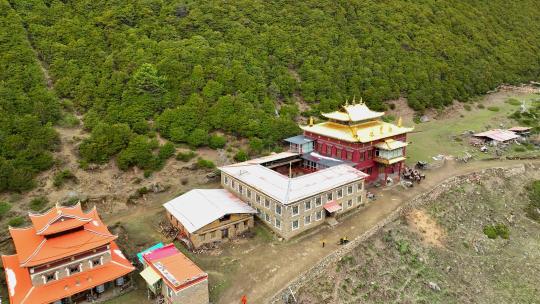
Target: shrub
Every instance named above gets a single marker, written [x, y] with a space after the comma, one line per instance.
[4, 208]
[205, 164]
[533, 208]
[513, 102]
[166, 151]
[490, 232]
[493, 109]
[185, 156]
[142, 191]
[481, 106]
[417, 120]
[467, 107]
[38, 203]
[16, 221]
[61, 177]
[241, 156]
[197, 138]
[519, 149]
[493, 231]
[217, 142]
[69, 121]
[256, 145]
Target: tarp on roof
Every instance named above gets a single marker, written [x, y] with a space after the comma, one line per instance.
[332, 206]
[140, 254]
[299, 140]
[151, 277]
[498, 135]
[200, 207]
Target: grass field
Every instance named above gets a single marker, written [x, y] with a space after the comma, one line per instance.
[438, 136]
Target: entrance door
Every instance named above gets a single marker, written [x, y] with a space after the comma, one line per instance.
[225, 233]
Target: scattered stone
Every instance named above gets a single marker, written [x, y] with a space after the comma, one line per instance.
[434, 286]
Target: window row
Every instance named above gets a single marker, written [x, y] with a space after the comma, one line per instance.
[308, 219]
[251, 194]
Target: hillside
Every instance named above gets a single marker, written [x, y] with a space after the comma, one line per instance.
[185, 69]
[470, 240]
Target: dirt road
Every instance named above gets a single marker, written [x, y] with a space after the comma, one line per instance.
[266, 269]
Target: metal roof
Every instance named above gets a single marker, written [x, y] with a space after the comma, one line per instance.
[355, 112]
[325, 160]
[199, 207]
[520, 129]
[298, 140]
[288, 190]
[498, 135]
[364, 132]
[391, 144]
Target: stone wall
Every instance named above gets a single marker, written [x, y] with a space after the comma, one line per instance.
[418, 201]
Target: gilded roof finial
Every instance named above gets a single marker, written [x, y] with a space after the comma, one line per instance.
[354, 99]
[399, 122]
[361, 100]
[311, 121]
[346, 102]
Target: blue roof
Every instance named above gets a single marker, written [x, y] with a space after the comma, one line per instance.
[298, 140]
[140, 254]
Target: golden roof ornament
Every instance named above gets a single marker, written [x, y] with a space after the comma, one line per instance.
[354, 100]
[399, 122]
[311, 121]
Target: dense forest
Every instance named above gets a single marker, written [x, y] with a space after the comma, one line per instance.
[185, 69]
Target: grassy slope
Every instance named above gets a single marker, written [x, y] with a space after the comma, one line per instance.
[396, 265]
[436, 136]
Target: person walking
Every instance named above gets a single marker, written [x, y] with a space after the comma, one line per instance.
[323, 243]
[244, 299]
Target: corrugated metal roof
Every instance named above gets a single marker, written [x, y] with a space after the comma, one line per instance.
[325, 160]
[299, 139]
[287, 190]
[519, 129]
[498, 135]
[199, 207]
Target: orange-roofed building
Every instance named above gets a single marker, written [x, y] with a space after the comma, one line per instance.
[174, 278]
[66, 256]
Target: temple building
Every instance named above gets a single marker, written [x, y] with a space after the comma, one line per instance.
[356, 136]
[65, 256]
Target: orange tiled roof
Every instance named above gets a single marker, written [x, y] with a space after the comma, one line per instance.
[21, 291]
[34, 249]
[59, 219]
[177, 271]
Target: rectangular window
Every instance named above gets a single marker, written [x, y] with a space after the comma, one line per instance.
[96, 262]
[329, 196]
[295, 225]
[349, 189]
[267, 217]
[246, 224]
[266, 203]
[340, 193]
[318, 201]
[307, 205]
[213, 234]
[360, 202]
[349, 155]
[233, 184]
[258, 198]
[350, 203]
[258, 211]
[240, 188]
[359, 187]
[318, 215]
[203, 237]
[249, 193]
[278, 224]
[307, 220]
[226, 180]
[49, 277]
[295, 210]
[369, 154]
[278, 209]
[169, 292]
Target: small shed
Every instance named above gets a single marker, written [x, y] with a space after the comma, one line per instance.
[205, 216]
[523, 131]
[300, 144]
[497, 135]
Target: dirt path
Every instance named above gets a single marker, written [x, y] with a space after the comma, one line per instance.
[264, 271]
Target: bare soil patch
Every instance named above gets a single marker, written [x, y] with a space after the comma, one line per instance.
[422, 223]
